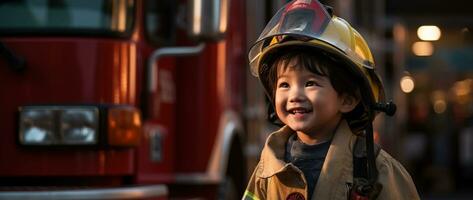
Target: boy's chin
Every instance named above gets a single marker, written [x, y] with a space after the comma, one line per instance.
[299, 128]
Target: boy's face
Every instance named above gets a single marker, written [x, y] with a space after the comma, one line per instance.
[307, 102]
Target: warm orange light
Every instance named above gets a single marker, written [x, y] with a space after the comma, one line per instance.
[407, 84]
[423, 48]
[124, 126]
[439, 100]
[462, 91]
[440, 106]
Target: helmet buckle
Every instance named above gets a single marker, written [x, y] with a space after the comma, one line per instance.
[389, 108]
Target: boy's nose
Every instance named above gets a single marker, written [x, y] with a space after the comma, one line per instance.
[297, 95]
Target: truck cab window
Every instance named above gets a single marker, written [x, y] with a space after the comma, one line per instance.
[160, 21]
[66, 16]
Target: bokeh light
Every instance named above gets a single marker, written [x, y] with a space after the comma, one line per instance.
[407, 84]
[429, 33]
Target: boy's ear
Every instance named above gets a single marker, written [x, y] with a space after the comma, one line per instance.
[348, 103]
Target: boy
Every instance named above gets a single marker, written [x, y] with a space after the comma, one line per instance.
[319, 74]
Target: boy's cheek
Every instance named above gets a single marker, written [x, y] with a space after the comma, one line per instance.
[280, 113]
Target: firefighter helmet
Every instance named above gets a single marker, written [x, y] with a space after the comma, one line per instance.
[307, 23]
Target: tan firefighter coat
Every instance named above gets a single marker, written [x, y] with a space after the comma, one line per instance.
[275, 179]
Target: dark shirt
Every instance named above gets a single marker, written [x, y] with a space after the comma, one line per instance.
[308, 158]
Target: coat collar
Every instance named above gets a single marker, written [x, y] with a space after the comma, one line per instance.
[337, 166]
[272, 156]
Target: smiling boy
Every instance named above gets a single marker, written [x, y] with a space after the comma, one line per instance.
[319, 75]
[305, 99]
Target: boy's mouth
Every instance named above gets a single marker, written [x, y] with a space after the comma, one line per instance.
[299, 110]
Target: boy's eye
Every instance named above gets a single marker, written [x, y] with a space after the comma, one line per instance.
[283, 85]
[311, 83]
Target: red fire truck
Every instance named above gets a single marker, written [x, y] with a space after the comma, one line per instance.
[120, 99]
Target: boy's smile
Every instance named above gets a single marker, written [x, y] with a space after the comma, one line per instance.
[299, 113]
[307, 103]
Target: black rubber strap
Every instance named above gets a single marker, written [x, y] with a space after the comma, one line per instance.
[372, 171]
[360, 157]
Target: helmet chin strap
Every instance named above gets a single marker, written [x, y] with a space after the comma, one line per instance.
[370, 187]
[389, 108]
[372, 171]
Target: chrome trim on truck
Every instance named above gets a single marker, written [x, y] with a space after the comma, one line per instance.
[135, 192]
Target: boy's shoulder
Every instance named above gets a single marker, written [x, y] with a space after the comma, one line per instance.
[396, 180]
[385, 159]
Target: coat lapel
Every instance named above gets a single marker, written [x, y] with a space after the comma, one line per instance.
[337, 168]
[272, 156]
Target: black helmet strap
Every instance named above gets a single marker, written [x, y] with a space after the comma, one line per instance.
[389, 108]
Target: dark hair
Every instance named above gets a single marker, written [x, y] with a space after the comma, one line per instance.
[342, 79]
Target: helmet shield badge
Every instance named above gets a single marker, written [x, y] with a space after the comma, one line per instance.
[302, 19]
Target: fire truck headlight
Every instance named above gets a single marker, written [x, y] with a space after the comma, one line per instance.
[37, 127]
[59, 125]
[79, 126]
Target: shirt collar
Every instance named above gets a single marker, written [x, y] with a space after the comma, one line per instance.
[272, 156]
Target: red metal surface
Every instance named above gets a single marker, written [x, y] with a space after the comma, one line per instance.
[162, 117]
[149, 171]
[198, 110]
[65, 71]
[207, 85]
[82, 71]
[111, 71]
